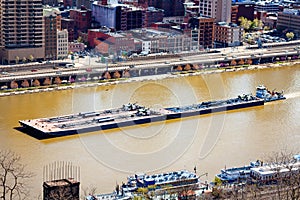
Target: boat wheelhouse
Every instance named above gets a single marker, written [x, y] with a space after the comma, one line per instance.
[263, 93]
[159, 182]
[237, 174]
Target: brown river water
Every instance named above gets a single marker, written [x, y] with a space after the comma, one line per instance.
[208, 141]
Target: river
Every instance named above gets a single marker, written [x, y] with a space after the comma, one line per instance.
[209, 142]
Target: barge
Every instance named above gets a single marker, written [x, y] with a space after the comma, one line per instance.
[134, 114]
[128, 115]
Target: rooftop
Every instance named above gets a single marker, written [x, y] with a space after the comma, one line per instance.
[116, 4]
[273, 168]
[61, 182]
[225, 24]
[291, 11]
[147, 34]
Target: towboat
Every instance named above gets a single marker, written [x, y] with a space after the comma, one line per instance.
[263, 93]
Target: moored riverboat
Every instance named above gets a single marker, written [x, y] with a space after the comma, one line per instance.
[237, 174]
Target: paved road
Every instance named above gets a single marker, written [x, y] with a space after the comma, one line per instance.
[84, 65]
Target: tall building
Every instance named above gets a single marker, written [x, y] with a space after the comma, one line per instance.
[153, 15]
[206, 32]
[1, 35]
[289, 20]
[85, 3]
[22, 31]
[242, 10]
[268, 7]
[106, 15]
[119, 16]
[204, 28]
[82, 18]
[171, 7]
[223, 11]
[69, 24]
[218, 9]
[234, 13]
[132, 18]
[227, 35]
[52, 23]
[62, 44]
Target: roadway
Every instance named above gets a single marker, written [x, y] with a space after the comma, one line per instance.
[92, 65]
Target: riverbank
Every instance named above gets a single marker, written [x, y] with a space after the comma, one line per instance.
[177, 74]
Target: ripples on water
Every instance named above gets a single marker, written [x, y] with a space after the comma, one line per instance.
[292, 95]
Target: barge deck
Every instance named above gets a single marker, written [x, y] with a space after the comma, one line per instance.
[134, 114]
[128, 115]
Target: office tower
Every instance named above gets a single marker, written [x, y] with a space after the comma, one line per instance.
[22, 35]
[171, 7]
[52, 23]
[62, 44]
[218, 9]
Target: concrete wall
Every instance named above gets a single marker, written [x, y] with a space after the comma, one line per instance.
[9, 55]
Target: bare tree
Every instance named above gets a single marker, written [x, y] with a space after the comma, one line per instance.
[13, 176]
[286, 175]
[62, 193]
[283, 182]
[91, 190]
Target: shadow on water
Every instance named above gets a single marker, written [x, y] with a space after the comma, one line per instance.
[34, 134]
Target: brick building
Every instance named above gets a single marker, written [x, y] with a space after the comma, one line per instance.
[227, 35]
[61, 189]
[153, 15]
[132, 18]
[76, 47]
[171, 7]
[52, 23]
[206, 31]
[69, 24]
[110, 43]
[82, 18]
[242, 10]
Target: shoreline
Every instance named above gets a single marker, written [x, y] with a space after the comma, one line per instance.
[177, 74]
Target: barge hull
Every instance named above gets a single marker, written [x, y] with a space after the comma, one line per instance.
[136, 121]
[43, 135]
[216, 109]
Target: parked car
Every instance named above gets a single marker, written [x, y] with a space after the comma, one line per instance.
[69, 65]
